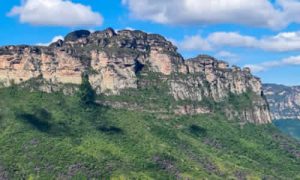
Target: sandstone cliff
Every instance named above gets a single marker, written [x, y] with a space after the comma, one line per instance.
[284, 101]
[117, 61]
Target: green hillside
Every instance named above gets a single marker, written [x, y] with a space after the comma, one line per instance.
[53, 136]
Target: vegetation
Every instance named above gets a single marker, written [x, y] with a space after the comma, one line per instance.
[86, 93]
[50, 136]
[151, 89]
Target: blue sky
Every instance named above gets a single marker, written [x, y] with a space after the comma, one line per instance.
[261, 34]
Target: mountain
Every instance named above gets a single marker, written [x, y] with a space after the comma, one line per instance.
[290, 127]
[284, 101]
[127, 105]
[117, 62]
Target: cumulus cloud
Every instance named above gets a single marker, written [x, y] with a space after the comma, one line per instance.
[56, 38]
[282, 42]
[290, 61]
[194, 43]
[259, 13]
[129, 28]
[286, 41]
[232, 39]
[56, 13]
[126, 28]
[228, 56]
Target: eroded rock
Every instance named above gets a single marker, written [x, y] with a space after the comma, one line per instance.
[114, 61]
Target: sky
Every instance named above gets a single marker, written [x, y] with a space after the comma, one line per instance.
[261, 34]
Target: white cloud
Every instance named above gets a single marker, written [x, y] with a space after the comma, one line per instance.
[286, 41]
[290, 61]
[282, 42]
[232, 39]
[126, 28]
[194, 43]
[228, 56]
[259, 13]
[294, 60]
[129, 28]
[56, 13]
[56, 38]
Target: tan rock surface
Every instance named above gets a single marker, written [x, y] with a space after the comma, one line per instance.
[114, 61]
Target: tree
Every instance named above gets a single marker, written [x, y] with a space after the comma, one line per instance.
[13, 88]
[86, 93]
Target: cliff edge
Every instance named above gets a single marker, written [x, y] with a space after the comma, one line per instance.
[284, 101]
[131, 60]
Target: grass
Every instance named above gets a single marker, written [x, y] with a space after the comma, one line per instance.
[50, 136]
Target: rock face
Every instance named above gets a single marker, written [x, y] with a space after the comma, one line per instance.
[284, 101]
[114, 61]
[216, 79]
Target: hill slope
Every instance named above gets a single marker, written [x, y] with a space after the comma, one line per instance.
[53, 136]
[126, 105]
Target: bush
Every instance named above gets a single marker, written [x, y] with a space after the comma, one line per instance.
[86, 93]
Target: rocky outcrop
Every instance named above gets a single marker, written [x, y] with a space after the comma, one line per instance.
[216, 80]
[115, 61]
[284, 101]
[190, 110]
[21, 63]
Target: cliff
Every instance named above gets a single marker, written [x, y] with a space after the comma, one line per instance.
[284, 101]
[133, 60]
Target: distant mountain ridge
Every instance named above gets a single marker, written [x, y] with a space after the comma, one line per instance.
[284, 101]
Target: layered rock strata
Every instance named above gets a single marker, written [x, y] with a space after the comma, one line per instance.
[284, 101]
[114, 61]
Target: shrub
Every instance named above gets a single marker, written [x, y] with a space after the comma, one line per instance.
[86, 93]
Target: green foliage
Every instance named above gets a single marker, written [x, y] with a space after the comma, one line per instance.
[197, 130]
[13, 88]
[39, 119]
[50, 136]
[241, 102]
[152, 93]
[86, 93]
